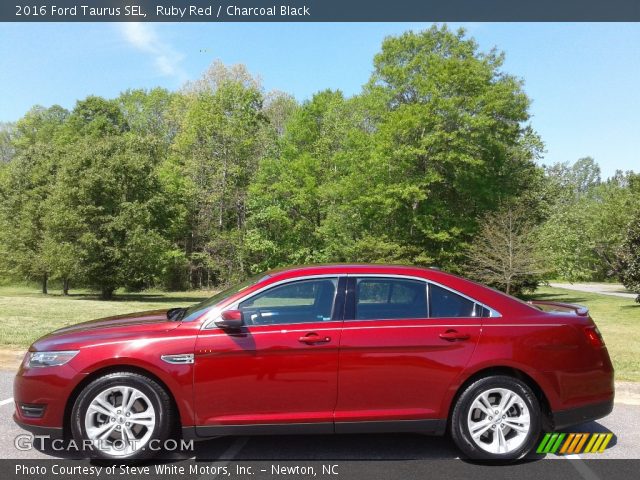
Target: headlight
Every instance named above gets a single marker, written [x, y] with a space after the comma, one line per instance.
[49, 359]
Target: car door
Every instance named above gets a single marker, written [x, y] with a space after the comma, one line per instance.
[278, 373]
[404, 342]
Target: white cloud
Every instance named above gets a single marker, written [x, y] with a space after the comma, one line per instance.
[144, 37]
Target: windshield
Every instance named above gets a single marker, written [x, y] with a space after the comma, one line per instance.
[196, 310]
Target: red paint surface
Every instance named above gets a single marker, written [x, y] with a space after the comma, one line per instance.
[356, 370]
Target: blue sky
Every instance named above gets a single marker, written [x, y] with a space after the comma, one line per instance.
[584, 79]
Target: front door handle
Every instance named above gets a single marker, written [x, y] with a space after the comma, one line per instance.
[453, 335]
[313, 338]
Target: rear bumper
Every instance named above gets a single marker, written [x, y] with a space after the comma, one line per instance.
[586, 413]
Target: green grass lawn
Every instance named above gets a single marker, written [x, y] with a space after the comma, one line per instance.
[26, 315]
[617, 318]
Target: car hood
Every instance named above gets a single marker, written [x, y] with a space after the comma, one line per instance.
[133, 325]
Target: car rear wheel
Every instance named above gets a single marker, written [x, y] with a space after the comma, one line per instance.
[119, 414]
[496, 418]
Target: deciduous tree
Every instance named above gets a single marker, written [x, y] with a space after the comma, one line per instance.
[215, 155]
[504, 253]
[25, 185]
[628, 261]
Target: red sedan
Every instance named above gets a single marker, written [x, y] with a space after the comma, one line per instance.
[323, 349]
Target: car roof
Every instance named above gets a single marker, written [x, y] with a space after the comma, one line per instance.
[344, 268]
[488, 296]
[427, 273]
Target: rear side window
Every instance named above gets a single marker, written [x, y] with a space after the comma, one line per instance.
[390, 298]
[445, 303]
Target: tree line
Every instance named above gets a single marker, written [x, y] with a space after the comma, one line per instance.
[220, 180]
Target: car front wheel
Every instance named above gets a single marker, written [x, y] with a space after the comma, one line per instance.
[120, 414]
[496, 418]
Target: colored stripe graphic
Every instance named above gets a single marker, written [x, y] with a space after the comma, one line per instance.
[570, 440]
[606, 442]
[600, 442]
[591, 442]
[550, 443]
[544, 441]
[557, 444]
[574, 443]
[596, 446]
[578, 448]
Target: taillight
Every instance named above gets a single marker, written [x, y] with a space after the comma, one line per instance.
[594, 336]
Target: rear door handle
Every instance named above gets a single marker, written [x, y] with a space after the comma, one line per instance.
[453, 335]
[313, 338]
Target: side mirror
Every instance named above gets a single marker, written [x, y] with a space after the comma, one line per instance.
[230, 320]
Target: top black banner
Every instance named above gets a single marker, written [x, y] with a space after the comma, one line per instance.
[319, 10]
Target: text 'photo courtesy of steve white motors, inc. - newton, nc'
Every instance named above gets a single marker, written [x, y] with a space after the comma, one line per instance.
[97, 471]
[169, 11]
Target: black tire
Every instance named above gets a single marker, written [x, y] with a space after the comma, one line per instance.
[460, 429]
[157, 395]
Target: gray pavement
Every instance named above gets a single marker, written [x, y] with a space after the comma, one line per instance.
[624, 423]
[614, 289]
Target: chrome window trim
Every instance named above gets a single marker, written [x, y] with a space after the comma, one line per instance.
[493, 313]
[210, 324]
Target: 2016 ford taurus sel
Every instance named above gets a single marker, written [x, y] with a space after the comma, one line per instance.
[324, 349]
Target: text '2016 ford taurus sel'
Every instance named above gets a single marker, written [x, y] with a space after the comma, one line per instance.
[324, 349]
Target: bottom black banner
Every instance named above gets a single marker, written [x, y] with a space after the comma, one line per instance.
[451, 469]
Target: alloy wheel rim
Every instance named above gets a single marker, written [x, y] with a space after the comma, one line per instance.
[499, 421]
[120, 421]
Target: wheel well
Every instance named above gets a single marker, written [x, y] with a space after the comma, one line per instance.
[510, 372]
[104, 371]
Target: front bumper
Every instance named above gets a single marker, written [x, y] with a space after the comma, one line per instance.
[49, 388]
[586, 413]
[53, 433]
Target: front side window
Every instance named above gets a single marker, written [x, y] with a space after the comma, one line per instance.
[302, 301]
[390, 298]
[195, 311]
[446, 304]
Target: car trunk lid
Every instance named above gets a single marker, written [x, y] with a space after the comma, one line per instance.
[559, 307]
